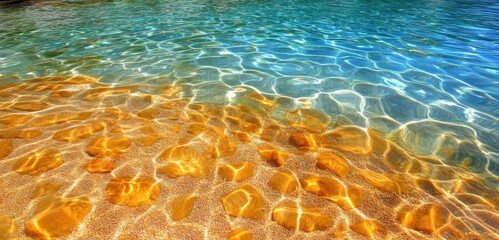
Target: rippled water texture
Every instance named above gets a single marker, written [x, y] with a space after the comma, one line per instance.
[249, 119]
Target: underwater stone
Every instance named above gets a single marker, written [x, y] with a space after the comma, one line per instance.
[57, 217]
[6, 148]
[29, 106]
[427, 136]
[245, 201]
[303, 141]
[273, 156]
[196, 128]
[303, 218]
[182, 207]
[15, 120]
[236, 171]
[64, 94]
[341, 230]
[426, 218]
[21, 134]
[242, 136]
[283, 182]
[333, 190]
[337, 164]
[184, 160]
[108, 147]
[385, 182]
[99, 166]
[149, 113]
[7, 226]
[470, 157]
[148, 141]
[44, 189]
[36, 163]
[349, 139]
[398, 158]
[133, 191]
[369, 228]
[223, 147]
[118, 114]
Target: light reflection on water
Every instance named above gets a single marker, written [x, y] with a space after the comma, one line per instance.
[420, 75]
[81, 153]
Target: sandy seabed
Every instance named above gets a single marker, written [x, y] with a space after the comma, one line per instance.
[81, 159]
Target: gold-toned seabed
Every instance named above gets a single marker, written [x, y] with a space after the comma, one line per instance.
[81, 159]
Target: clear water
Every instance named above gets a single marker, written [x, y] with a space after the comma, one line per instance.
[431, 59]
[415, 71]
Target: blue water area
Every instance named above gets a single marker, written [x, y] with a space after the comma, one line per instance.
[394, 66]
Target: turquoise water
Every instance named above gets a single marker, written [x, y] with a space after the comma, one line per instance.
[215, 101]
[410, 61]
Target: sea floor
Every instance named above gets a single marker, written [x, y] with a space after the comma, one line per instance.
[82, 159]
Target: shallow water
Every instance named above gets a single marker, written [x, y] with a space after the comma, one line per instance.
[286, 119]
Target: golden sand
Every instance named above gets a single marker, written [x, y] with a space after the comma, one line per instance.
[81, 159]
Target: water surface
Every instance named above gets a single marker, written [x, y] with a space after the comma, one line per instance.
[391, 108]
